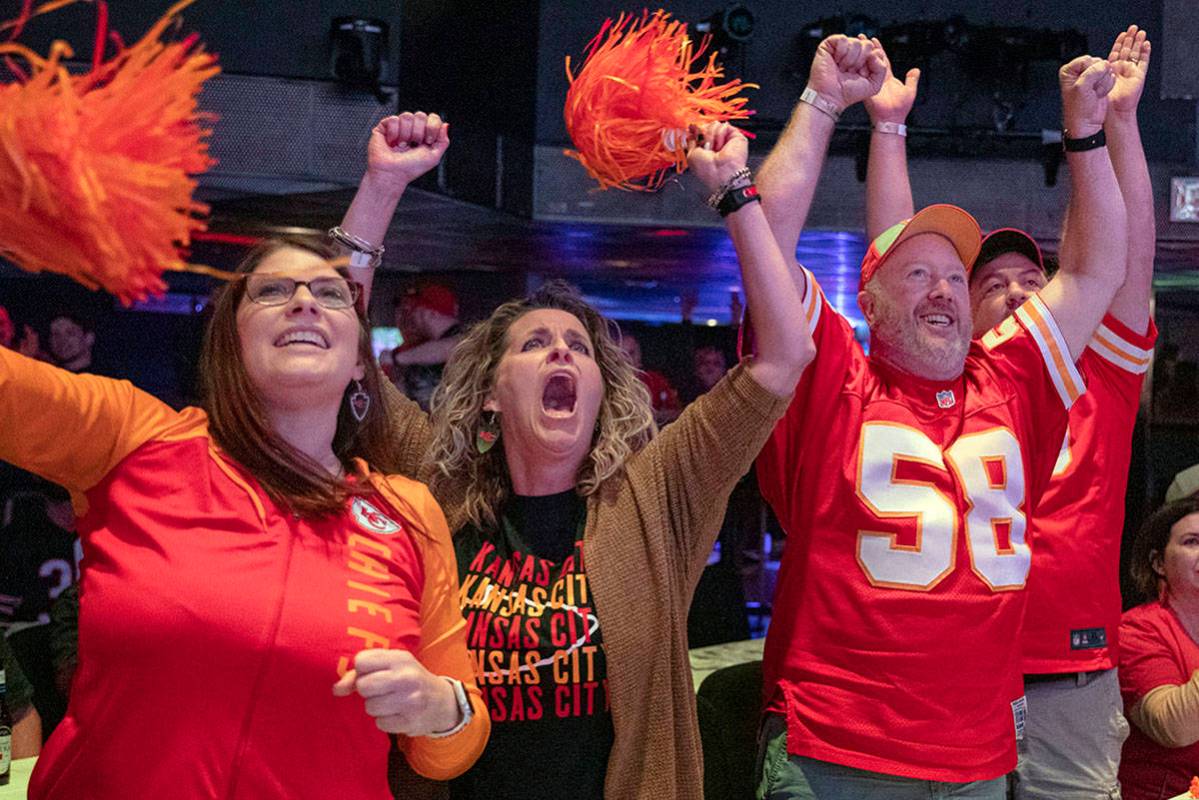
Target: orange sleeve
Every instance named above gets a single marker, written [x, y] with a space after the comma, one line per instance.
[443, 652]
[72, 429]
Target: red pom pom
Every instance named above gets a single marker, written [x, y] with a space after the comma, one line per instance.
[96, 170]
[631, 106]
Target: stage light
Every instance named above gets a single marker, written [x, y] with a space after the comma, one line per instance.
[357, 49]
[730, 28]
[1184, 199]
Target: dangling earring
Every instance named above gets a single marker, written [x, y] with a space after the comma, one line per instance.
[360, 401]
[488, 433]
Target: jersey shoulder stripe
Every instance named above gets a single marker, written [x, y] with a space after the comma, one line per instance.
[813, 299]
[1038, 320]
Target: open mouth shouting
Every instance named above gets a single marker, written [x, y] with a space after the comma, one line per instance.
[303, 337]
[558, 395]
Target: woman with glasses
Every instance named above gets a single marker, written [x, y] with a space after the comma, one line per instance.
[261, 605]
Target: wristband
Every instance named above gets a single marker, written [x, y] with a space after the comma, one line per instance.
[897, 128]
[814, 99]
[1085, 143]
[735, 199]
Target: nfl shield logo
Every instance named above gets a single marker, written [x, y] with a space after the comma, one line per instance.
[945, 398]
[371, 519]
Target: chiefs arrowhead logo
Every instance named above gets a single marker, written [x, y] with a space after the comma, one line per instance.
[371, 519]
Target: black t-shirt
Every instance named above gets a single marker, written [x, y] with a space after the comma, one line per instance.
[39, 562]
[533, 632]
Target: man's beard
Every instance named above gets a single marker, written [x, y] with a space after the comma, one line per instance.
[901, 340]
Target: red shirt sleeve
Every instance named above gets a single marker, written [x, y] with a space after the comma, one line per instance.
[1116, 361]
[814, 400]
[1151, 652]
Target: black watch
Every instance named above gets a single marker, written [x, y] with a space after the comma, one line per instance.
[1085, 143]
[735, 199]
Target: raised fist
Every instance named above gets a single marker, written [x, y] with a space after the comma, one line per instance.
[718, 151]
[847, 71]
[404, 147]
[1130, 61]
[894, 101]
[1085, 82]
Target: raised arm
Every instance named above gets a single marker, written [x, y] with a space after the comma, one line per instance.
[400, 150]
[1095, 242]
[72, 429]
[845, 71]
[784, 344]
[888, 190]
[1130, 61]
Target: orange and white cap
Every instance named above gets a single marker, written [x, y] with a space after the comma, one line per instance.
[953, 223]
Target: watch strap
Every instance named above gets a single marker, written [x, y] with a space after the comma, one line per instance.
[464, 708]
[1084, 143]
[735, 199]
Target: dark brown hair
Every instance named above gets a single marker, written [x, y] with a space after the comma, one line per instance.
[238, 422]
[1151, 540]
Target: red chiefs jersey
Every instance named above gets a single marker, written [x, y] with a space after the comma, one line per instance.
[213, 623]
[1074, 601]
[893, 645]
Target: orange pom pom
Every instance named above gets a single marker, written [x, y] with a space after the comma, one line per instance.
[1194, 792]
[630, 108]
[96, 169]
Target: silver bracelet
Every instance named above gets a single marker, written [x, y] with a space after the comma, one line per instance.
[738, 180]
[821, 103]
[464, 709]
[363, 254]
[897, 128]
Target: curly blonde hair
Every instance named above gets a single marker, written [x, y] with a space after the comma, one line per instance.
[625, 422]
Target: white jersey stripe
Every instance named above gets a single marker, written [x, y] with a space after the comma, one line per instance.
[812, 301]
[1119, 351]
[1040, 323]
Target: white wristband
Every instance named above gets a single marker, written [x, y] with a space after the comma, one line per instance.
[817, 101]
[897, 128]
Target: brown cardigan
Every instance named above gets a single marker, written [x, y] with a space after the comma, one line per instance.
[646, 541]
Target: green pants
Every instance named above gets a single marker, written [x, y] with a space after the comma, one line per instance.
[786, 777]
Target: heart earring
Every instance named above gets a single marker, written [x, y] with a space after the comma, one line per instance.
[488, 433]
[360, 401]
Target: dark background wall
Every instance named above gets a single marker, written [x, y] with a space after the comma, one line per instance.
[948, 96]
[500, 65]
[284, 38]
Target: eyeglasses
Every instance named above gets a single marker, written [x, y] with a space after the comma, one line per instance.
[275, 290]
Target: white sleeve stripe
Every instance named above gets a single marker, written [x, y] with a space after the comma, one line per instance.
[1106, 350]
[812, 301]
[1040, 323]
[1120, 351]
[1134, 351]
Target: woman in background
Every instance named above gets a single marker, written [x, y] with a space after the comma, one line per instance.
[1159, 656]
